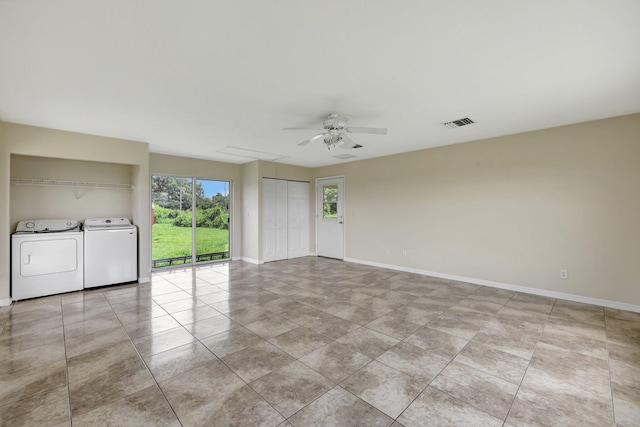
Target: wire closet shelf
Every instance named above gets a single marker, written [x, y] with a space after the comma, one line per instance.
[79, 187]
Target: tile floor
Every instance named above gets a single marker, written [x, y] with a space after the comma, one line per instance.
[313, 342]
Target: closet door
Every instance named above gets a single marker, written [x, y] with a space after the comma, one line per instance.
[269, 219]
[281, 219]
[274, 224]
[298, 219]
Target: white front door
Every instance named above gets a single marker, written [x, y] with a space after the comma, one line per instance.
[330, 217]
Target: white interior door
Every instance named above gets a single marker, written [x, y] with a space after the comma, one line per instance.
[298, 219]
[330, 217]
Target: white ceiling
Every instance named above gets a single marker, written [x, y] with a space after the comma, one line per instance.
[193, 77]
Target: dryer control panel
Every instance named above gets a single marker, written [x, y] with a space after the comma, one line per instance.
[47, 225]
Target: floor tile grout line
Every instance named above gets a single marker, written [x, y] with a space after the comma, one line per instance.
[346, 391]
[195, 367]
[66, 365]
[439, 373]
[39, 320]
[272, 405]
[223, 362]
[530, 359]
[404, 304]
[249, 384]
[297, 360]
[418, 395]
[145, 365]
[451, 360]
[327, 344]
[234, 372]
[606, 336]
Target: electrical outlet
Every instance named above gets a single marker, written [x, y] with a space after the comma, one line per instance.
[564, 274]
[387, 252]
[404, 252]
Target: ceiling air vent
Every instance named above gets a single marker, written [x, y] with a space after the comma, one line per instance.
[458, 123]
[345, 156]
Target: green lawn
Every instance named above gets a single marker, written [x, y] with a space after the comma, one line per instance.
[171, 241]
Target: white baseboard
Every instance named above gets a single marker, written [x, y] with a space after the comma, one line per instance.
[507, 286]
[5, 302]
[144, 279]
[251, 260]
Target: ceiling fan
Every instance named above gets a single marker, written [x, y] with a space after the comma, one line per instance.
[334, 132]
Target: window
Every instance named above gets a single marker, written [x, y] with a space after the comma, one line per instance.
[330, 201]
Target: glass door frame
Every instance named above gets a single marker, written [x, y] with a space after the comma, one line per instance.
[194, 254]
[193, 262]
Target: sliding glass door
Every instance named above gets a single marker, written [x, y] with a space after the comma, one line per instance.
[212, 220]
[190, 220]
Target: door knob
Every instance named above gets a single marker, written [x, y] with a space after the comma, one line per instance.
[339, 222]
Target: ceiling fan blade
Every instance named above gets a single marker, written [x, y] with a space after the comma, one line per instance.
[313, 138]
[302, 129]
[375, 131]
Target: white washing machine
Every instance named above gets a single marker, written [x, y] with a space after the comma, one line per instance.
[110, 252]
[46, 258]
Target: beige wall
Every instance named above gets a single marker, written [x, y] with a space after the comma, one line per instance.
[160, 164]
[38, 202]
[251, 200]
[20, 141]
[514, 210]
[280, 171]
[5, 228]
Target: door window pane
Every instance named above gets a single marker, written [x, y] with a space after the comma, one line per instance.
[330, 201]
[171, 199]
[212, 220]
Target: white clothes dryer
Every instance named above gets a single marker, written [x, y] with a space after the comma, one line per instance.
[47, 258]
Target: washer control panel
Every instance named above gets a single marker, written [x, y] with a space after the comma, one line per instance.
[107, 223]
